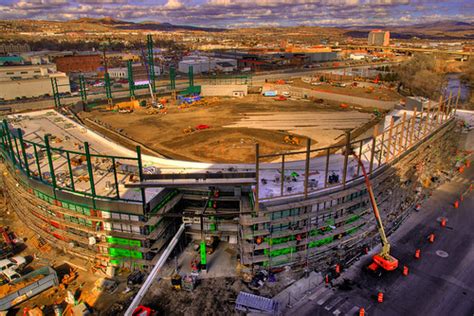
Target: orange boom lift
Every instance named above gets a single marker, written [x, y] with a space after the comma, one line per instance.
[383, 259]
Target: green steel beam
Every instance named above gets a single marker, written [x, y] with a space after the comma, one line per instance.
[71, 176]
[191, 76]
[20, 163]
[38, 165]
[151, 62]
[9, 138]
[82, 86]
[115, 178]
[57, 98]
[50, 162]
[90, 171]
[172, 78]
[23, 151]
[131, 83]
[140, 175]
[108, 89]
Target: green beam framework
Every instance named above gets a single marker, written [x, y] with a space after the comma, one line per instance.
[151, 61]
[131, 83]
[191, 76]
[13, 148]
[82, 86]
[108, 90]
[172, 78]
[57, 98]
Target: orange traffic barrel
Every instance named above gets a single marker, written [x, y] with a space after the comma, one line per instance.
[380, 297]
[338, 268]
[456, 204]
[431, 238]
[405, 270]
[361, 311]
[443, 222]
[417, 254]
[461, 169]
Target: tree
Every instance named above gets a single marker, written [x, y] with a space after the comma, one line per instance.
[419, 76]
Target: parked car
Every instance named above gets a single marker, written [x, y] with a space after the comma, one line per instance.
[13, 263]
[10, 275]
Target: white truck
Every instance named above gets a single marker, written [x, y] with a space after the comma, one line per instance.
[12, 263]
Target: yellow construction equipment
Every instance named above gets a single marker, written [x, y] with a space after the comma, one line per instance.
[188, 130]
[127, 106]
[293, 140]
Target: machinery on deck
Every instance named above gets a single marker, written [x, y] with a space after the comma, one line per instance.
[383, 260]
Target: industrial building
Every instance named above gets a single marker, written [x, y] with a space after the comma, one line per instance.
[122, 72]
[98, 200]
[78, 63]
[202, 64]
[31, 81]
[8, 48]
[378, 38]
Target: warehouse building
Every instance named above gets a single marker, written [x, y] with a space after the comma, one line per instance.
[202, 64]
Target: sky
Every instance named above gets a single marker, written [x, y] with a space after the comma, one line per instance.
[246, 13]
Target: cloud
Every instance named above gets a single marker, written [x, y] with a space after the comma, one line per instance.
[232, 13]
[174, 5]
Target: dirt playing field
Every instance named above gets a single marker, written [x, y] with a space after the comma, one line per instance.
[234, 127]
[362, 90]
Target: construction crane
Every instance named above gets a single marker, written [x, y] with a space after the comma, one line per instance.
[149, 76]
[383, 259]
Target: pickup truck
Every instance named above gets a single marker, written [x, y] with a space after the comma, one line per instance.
[29, 285]
[13, 263]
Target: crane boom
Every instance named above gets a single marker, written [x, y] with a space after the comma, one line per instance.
[382, 259]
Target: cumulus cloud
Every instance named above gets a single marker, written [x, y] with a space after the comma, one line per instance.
[232, 13]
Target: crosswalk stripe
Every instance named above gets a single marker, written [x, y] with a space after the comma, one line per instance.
[332, 304]
[353, 311]
[324, 298]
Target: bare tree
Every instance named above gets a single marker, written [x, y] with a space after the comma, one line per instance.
[419, 76]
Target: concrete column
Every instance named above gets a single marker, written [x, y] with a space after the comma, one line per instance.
[306, 171]
[390, 132]
[372, 150]
[346, 157]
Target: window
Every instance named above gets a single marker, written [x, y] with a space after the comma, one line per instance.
[24, 72]
[10, 73]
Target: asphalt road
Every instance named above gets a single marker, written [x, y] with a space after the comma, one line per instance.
[436, 285]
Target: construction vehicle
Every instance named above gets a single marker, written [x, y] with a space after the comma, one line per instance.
[382, 260]
[144, 311]
[293, 140]
[176, 282]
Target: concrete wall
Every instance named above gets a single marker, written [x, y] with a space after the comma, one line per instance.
[9, 90]
[224, 90]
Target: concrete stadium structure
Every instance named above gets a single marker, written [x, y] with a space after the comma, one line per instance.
[98, 200]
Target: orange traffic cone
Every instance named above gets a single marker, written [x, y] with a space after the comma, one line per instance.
[431, 238]
[380, 297]
[338, 268]
[405, 270]
[461, 198]
[443, 222]
[468, 163]
[417, 254]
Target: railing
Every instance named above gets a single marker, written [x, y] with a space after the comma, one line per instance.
[334, 167]
[91, 175]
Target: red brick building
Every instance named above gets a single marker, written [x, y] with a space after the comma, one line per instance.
[78, 63]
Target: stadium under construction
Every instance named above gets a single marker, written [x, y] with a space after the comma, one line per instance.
[113, 206]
